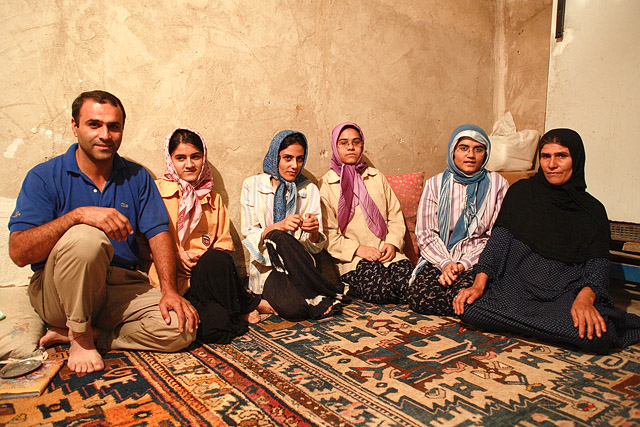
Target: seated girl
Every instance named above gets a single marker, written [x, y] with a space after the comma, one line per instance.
[545, 269]
[199, 222]
[281, 222]
[363, 221]
[456, 213]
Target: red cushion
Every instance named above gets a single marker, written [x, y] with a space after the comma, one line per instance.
[408, 189]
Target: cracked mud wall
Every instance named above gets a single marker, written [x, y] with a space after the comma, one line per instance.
[239, 71]
[527, 61]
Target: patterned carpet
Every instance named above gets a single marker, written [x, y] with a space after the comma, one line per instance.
[372, 366]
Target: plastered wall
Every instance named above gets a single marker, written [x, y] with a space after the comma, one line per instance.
[526, 26]
[238, 71]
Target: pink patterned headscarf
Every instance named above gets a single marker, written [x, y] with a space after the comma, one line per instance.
[189, 211]
[352, 188]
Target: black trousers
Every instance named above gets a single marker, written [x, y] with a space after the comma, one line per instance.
[295, 287]
[221, 300]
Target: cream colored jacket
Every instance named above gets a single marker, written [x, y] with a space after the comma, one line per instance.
[343, 246]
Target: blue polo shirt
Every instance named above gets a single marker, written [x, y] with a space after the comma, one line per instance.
[53, 188]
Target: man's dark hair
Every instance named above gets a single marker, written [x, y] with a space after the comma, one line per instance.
[99, 96]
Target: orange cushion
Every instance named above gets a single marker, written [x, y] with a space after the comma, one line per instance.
[408, 189]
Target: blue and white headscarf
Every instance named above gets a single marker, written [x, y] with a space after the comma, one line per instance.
[477, 189]
[285, 201]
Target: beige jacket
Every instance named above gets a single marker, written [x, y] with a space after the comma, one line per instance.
[343, 246]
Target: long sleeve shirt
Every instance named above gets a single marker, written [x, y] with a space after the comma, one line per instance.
[468, 250]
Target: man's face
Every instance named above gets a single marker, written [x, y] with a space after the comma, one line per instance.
[99, 131]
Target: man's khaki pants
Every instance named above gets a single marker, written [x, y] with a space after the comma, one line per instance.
[77, 288]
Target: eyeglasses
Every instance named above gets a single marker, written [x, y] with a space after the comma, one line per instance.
[466, 148]
[343, 143]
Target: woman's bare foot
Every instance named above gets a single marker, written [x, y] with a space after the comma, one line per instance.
[253, 317]
[54, 336]
[83, 356]
[265, 308]
[326, 313]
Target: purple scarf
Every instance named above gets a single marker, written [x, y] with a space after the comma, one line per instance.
[351, 184]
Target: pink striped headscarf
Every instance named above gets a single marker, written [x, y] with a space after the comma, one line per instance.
[352, 184]
[189, 211]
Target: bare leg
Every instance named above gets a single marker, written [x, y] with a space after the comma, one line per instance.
[83, 356]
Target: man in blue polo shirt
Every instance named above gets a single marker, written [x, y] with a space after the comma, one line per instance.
[75, 222]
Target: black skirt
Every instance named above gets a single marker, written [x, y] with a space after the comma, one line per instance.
[217, 294]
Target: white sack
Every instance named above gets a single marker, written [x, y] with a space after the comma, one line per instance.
[512, 150]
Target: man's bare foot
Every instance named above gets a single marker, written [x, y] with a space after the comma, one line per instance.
[265, 308]
[253, 317]
[83, 356]
[54, 336]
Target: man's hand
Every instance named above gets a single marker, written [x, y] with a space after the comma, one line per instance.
[368, 252]
[387, 253]
[183, 308]
[188, 260]
[35, 244]
[450, 273]
[164, 254]
[115, 225]
[586, 316]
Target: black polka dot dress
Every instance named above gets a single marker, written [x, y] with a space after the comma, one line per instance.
[532, 295]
